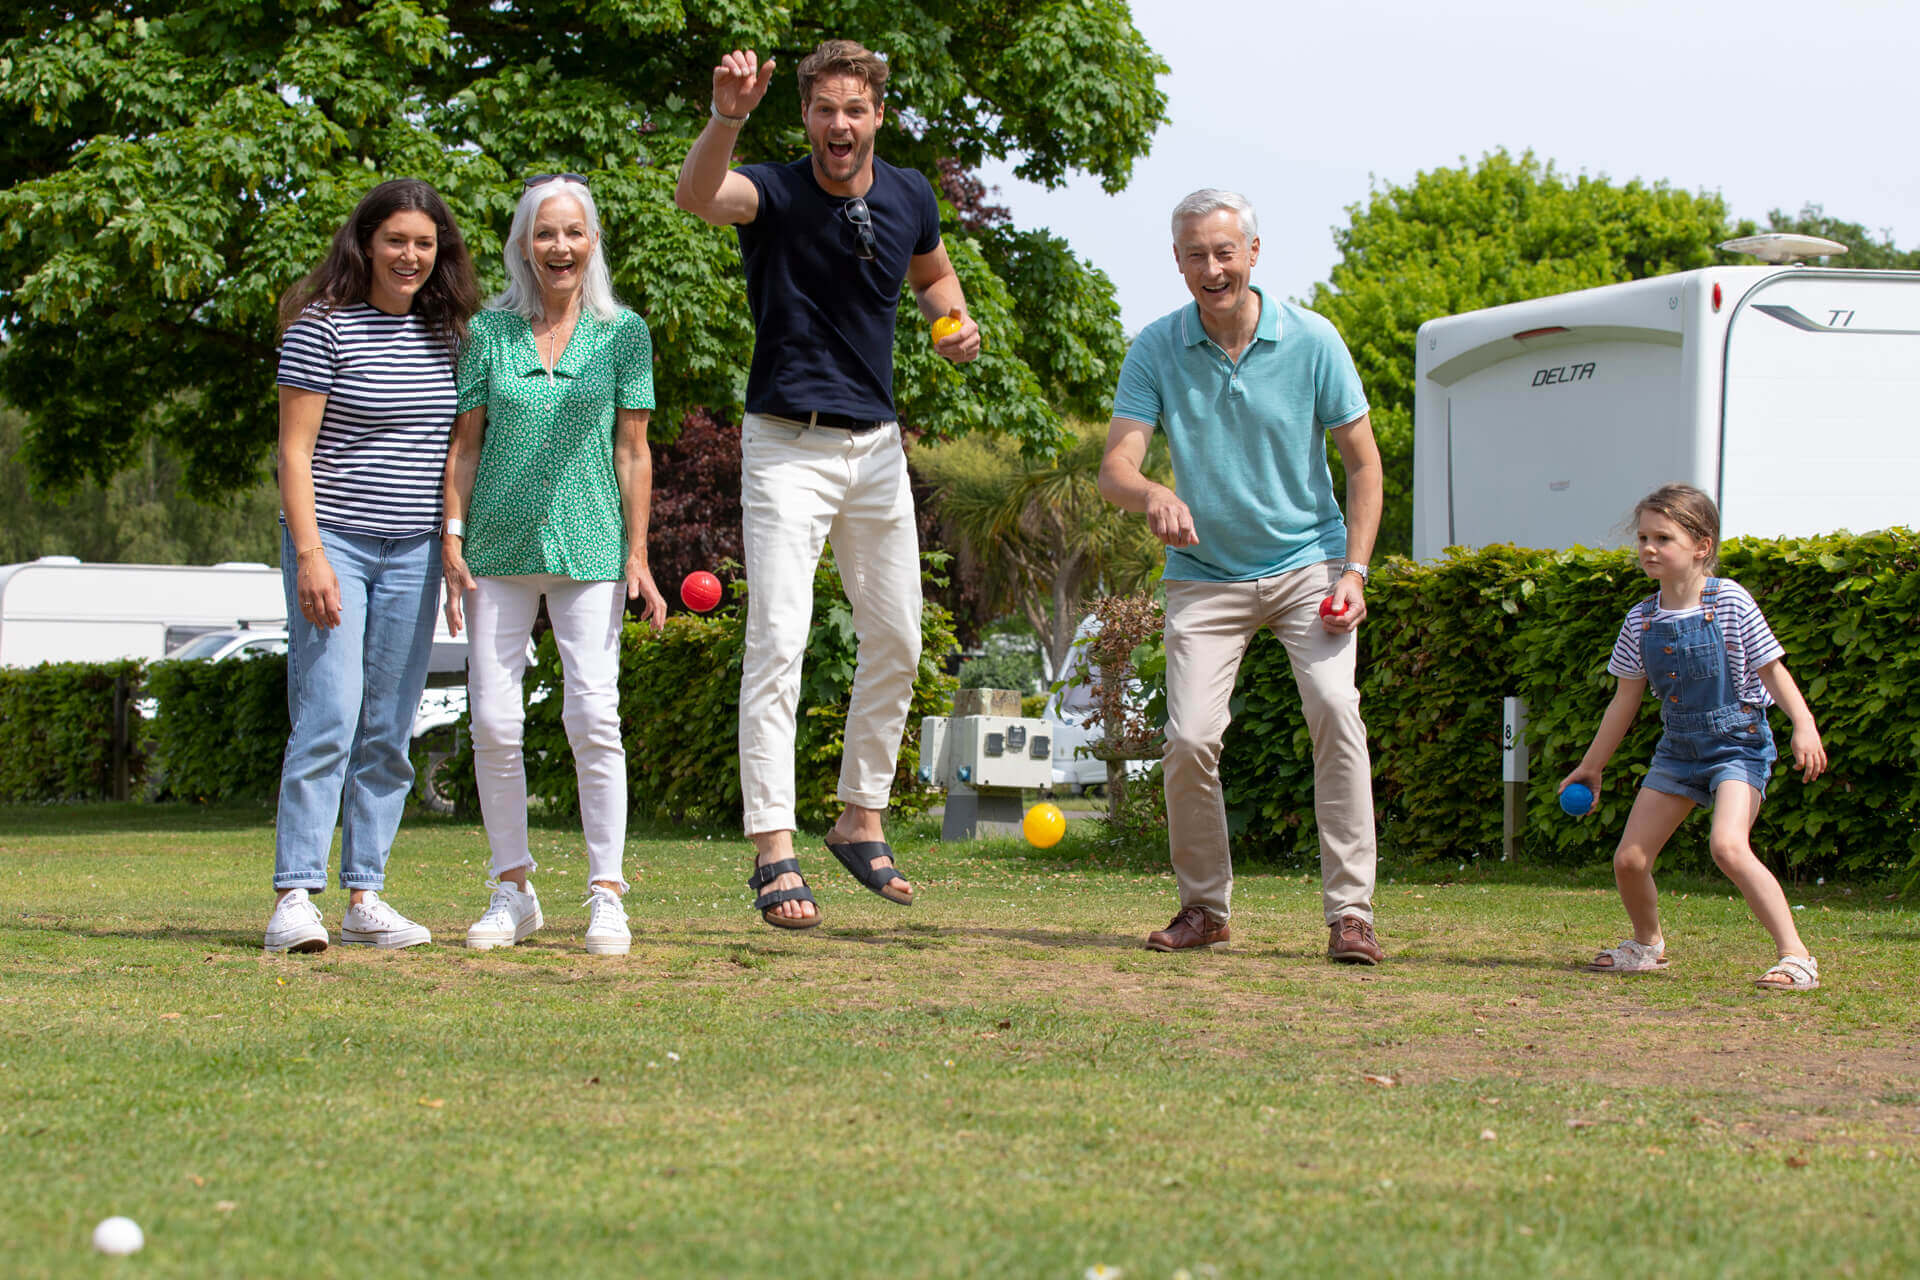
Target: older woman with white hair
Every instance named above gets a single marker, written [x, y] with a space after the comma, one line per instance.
[548, 484]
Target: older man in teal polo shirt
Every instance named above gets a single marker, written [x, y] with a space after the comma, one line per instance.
[1247, 388]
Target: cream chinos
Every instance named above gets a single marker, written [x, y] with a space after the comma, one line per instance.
[800, 488]
[586, 619]
[1209, 625]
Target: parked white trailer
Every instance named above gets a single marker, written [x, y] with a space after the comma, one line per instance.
[1790, 394]
[59, 609]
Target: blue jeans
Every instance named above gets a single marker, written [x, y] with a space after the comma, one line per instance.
[351, 694]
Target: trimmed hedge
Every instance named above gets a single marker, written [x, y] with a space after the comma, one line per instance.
[1444, 642]
[56, 724]
[679, 700]
[222, 728]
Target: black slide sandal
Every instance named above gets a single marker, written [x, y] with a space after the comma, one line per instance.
[859, 859]
[771, 898]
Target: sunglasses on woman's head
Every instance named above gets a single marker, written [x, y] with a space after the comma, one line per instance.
[540, 179]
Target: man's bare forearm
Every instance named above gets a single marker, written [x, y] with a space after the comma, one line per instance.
[708, 162]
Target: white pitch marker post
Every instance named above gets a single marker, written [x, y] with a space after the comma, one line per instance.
[1513, 774]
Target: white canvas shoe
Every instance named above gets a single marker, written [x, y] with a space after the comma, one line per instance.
[607, 932]
[373, 923]
[295, 924]
[511, 914]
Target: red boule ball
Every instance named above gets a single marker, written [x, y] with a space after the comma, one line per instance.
[701, 591]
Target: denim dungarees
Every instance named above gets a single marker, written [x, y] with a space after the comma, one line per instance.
[1710, 736]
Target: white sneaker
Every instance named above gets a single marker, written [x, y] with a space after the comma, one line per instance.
[511, 914]
[373, 923]
[607, 932]
[295, 924]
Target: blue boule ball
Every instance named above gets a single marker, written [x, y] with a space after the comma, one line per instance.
[1577, 799]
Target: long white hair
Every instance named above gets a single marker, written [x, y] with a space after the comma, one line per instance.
[522, 293]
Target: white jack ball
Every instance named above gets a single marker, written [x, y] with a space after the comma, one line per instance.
[119, 1236]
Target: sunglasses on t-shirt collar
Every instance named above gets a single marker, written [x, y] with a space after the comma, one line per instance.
[861, 218]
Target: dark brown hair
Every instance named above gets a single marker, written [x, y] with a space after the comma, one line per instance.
[843, 58]
[448, 298]
[1689, 508]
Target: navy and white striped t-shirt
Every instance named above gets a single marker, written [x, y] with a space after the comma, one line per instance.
[391, 397]
[1751, 644]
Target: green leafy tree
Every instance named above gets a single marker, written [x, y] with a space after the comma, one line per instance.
[1505, 229]
[168, 174]
[141, 515]
[1036, 530]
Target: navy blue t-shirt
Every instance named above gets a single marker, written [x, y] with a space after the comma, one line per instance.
[823, 316]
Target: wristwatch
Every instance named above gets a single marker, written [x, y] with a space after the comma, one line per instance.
[1355, 567]
[731, 122]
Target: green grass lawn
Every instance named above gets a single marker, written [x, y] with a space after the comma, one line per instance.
[998, 1081]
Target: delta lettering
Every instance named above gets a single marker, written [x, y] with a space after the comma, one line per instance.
[1565, 373]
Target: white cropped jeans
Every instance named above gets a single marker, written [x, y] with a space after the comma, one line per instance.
[801, 488]
[586, 619]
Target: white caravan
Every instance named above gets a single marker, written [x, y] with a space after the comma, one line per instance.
[58, 609]
[1790, 394]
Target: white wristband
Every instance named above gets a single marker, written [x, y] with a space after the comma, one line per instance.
[731, 122]
[456, 529]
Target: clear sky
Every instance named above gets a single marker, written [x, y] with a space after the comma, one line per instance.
[1773, 105]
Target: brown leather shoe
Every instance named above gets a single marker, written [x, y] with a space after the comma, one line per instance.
[1192, 927]
[1350, 939]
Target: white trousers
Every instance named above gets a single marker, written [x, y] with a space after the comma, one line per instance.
[586, 618]
[800, 489]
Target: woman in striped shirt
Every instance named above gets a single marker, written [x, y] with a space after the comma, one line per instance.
[367, 398]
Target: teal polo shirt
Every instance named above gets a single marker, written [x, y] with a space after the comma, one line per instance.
[1248, 439]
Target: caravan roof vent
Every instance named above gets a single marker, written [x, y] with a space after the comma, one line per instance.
[1778, 247]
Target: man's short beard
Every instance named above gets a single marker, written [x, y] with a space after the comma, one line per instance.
[857, 157]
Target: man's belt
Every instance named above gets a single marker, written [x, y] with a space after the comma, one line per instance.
[838, 421]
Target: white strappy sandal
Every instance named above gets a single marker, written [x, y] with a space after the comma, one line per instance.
[1802, 973]
[1631, 956]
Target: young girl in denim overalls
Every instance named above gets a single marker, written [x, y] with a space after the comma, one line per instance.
[1704, 648]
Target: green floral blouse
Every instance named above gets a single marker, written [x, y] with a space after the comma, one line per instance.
[545, 499]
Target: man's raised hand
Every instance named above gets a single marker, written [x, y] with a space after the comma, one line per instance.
[740, 82]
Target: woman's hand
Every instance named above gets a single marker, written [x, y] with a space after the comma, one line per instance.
[640, 586]
[318, 590]
[453, 568]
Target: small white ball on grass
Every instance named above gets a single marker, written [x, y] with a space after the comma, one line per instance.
[118, 1236]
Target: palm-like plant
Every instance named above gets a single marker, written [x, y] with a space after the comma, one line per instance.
[1036, 531]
